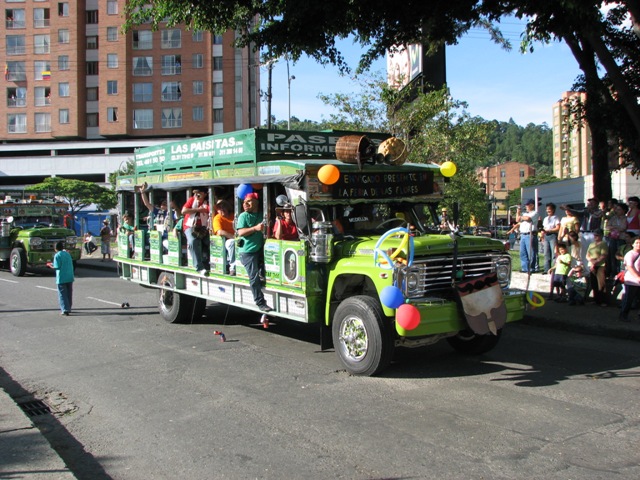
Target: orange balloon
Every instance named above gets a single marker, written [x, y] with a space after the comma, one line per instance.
[329, 174]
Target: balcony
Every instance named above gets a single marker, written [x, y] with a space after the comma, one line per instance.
[13, 102]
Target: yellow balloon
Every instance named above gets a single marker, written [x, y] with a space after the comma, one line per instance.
[448, 169]
[329, 174]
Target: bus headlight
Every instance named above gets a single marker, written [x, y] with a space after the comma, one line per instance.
[503, 271]
[35, 242]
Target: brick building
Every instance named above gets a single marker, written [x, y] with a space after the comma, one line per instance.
[75, 85]
[499, 180]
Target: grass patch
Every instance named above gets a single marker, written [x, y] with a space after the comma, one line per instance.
[515, 260]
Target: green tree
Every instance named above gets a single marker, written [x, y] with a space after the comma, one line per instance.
[596, 38]
[78, 194]
[435, 127]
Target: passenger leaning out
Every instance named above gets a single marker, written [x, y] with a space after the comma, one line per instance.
[223, 227]
[196, 231]
[285, 228]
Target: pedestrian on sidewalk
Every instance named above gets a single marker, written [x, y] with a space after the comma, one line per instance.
[63, 265]
[550, 229]
[597, 254]
[560, 271]
[105, 239]
[577, 285]
[631, 280]
[528, 236]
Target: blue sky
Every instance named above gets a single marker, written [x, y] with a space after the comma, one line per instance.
[497, 84]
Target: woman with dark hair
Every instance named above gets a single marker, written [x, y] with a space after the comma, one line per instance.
[616, 226]
[196, 228]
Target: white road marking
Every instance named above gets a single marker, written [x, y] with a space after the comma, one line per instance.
[47, 288]
[10, 281]
[103, 301]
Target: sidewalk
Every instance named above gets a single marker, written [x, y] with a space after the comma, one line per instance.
[27, 454]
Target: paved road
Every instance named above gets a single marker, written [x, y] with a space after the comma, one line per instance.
[137, 398]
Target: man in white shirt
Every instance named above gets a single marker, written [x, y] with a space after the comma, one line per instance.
[528, 236]
[550, 226]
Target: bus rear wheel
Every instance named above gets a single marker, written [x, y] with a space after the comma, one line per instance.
[174, 307]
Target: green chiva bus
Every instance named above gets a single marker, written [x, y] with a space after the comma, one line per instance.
[370, 267]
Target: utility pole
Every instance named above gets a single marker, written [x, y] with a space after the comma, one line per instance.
[269, 80]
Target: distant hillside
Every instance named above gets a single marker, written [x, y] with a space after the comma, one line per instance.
[531, 145]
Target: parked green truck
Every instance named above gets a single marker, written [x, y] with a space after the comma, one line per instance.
[29, 230]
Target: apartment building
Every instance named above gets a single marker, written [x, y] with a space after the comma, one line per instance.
[74, 83]
[572, 155]
[499, 180]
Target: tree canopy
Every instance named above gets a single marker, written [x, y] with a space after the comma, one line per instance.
[599, 34]
[78, 194]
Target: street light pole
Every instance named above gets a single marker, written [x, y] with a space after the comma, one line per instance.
[289, 78]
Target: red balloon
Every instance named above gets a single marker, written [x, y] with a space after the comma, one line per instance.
[408, 316]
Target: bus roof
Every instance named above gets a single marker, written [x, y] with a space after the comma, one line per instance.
[243, 147]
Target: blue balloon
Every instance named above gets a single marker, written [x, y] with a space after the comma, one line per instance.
[243, 190]
[391, 297]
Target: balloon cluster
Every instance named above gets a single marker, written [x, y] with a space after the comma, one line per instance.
[329, 174]
[407, 315]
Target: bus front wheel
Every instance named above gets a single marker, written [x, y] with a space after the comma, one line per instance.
[362, 336]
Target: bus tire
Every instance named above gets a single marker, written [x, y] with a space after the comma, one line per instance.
[173, 307]
[18, 262]
[471, 343]
[362, 336]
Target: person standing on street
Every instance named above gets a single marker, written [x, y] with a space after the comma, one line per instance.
[63, 265]
[528, 236]
[250, 229]
[105, 240]
[591, 220]
[551, 227]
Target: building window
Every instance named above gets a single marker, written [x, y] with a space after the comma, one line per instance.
[217, 63]
[171, 117]
[41, 44]
[112, 7]
[112, 87]
[170, 38]
[197, 36]
[217, 39]
[522, 173]
[92, 17]
[15, 45]
[63, 9]
[503, 174]
[40, 17]
[43, 122]
[15, 18]
[63, 116]
[42, 96]
[63, 89]
[92, 94]
[217, 89]
[142, 40]
[112, 60]
[92, 68]
[142, 92]
[143, 119]
[171, 65]
[142, 66]
[112, 114]
[112, 34]
[92, 42]
[92, 120]
[17, 71]
[198, 87]
[197, 60]
[63, 36]
[42, 70]
[17, 123]
[171, 91]
[17, 97]
[63, 62]
[503, 185]
[218, 115]
[198, 114]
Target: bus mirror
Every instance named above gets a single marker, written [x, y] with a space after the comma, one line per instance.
[301, 219]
